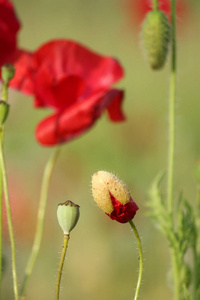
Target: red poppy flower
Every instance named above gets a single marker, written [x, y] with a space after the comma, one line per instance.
[9, 26]
[75, 82]
[139, 8]
[113, 197]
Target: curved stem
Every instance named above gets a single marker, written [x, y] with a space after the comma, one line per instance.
[62, 259]
[141, 259]
[40, 218]
[9, 219]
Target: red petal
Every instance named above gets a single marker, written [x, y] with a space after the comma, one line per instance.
[123, 213]
[114, 109]
[59, 92]
[64, 57]
[23, 78]
[72, 122]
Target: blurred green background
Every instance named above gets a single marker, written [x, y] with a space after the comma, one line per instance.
[102, 258]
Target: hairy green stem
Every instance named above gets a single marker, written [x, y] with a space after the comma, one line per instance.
[171, 149]
[4, 97]
[1, 243]
[196, 246]
[40, 218]
[141, 259]
[62, 259]
[176, 274]
[172, 99]
[155, 5]
[3, 185]
[4, 92]
[196, 272]
[9, 219]
[198, 216]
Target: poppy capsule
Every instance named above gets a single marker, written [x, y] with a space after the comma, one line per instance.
[156, 35]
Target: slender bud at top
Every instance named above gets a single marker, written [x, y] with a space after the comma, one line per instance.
[113, 197]
[68, 215]
[7, 72]
[156, 35]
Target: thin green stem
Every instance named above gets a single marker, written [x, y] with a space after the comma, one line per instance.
[1, 244]
[141, 259]
[4, 97]
[155, 5]
[9, 219]
[171, 149]
[196, 272]
[40, 218]
[196, 246]
[172, 99]
[198, 215]
[1, 209]
[4, 92]
[62, 259]
[176, 273]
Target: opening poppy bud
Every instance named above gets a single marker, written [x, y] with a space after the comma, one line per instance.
[68, 215]
[7, 72]
[4, 110]
[156, 34]
[113, 197]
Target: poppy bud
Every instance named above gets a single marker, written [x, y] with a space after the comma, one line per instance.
[4, 110]
[7, 72]
[156, 34]
[113, 197]
[68, 215]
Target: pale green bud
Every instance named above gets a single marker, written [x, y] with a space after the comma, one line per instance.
[4, 110]
[156, 35]
[68, 215]
[7, 72]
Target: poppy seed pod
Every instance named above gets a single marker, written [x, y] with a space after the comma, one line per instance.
[156, 34]
[68, 215]
[113, 197]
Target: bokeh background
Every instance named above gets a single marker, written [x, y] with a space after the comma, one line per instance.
[102, 258]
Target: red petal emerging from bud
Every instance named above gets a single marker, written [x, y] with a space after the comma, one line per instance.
[123, 213]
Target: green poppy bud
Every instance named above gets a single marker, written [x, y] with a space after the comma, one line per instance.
[7, 72]
[4, 110]
[156, 35]
[68, 215]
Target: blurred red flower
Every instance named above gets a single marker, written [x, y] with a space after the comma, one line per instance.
[9, 26]
[9, 52]
[139, 8]
[75, 82]
[64, 76]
